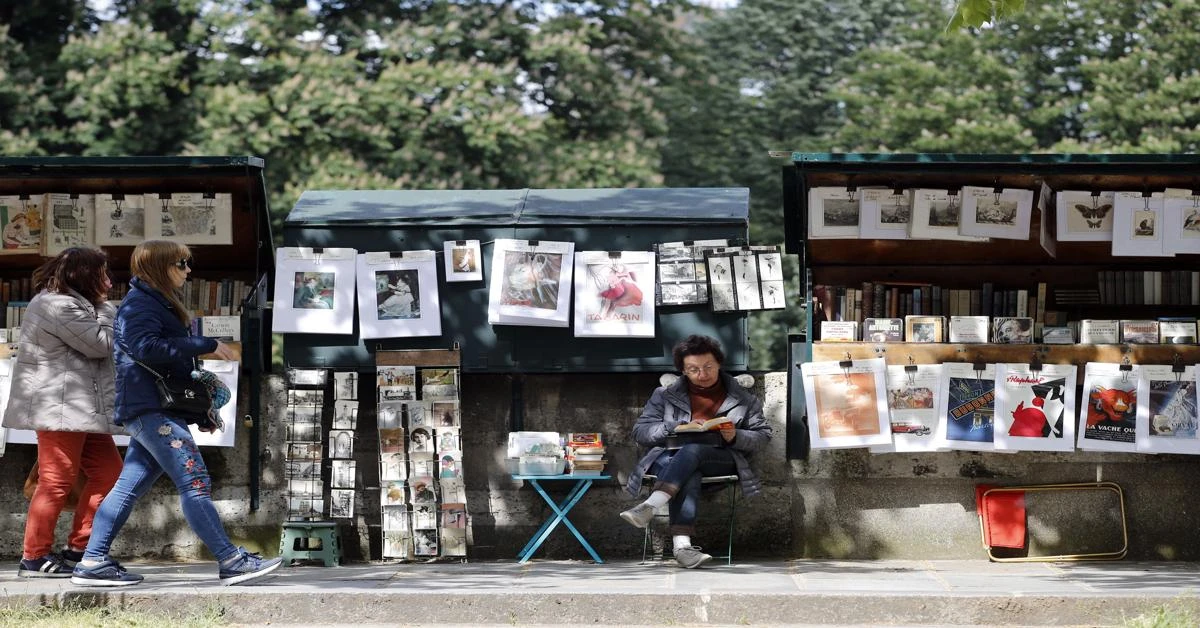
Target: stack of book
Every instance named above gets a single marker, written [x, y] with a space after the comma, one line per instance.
[585, 453]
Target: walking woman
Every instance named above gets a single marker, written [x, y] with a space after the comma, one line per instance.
[62, 387]
[151, 330]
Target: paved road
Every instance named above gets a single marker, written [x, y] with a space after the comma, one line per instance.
[802, 592]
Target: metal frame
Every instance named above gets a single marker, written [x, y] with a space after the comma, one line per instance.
[560, 509]
[731, 484]
[1073, 486]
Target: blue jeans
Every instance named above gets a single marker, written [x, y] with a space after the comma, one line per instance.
[161, 443]
[679, 473]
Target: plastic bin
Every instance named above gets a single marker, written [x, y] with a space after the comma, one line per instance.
[541, 465]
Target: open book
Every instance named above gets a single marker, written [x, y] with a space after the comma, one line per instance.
[712, 424]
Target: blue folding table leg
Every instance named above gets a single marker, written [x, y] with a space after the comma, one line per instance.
[560, 514]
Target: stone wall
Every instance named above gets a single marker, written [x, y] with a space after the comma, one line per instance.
[843, 503]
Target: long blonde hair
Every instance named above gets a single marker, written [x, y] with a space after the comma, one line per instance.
[151, 262]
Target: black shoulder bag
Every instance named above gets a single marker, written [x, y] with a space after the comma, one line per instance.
[189, 399]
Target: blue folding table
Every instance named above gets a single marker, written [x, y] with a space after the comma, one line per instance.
[581, 485]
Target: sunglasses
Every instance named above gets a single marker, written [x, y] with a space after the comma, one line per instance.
[184, 263]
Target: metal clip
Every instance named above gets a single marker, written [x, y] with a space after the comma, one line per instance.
[979, 367]
[1125, 367]
[1177, 366]
[1035, 363]
[846, 365]
[910, 370]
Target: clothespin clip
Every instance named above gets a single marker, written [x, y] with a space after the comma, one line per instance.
[395, 254]
[1035, 363]
[1177, 366]
[910, 370]
[614, 255]
[1125, 367]
[846, 365]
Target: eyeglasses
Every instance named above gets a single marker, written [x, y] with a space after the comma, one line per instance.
[696, 370]
[184, 263]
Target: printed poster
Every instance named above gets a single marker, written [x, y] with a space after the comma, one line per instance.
[912, 407]
[530, 283]
[847, 403]
[1035, 409]
[967, 402]
[612, 294]
[1108, 408]
[1167, 419]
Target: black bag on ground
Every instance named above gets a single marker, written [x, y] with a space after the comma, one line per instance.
[190, 399]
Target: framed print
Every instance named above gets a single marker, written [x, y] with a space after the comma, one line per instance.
[341, 504]
[1003, 214]
[833, 213]
[1108, 408]
[1138, 225]
[398, 296]
[966, 406]
[611, 289]
[21, 225]
[912, 407]
[682, 278]
[1167, 406]
[120, 219]
[936, 215]
[531, 283]
[1035, 408]
[462, 260]
[847, 403]
[1181, 225]
[884, 214]
[1084, 216]
[190, 218]
[69, 221]
[314, 291]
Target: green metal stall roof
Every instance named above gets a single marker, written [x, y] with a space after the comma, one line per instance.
[516, 207]
[51, 163]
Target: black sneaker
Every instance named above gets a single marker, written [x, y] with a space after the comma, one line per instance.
[248, 566]
[48, 566]
[70, 557]
[109, 573]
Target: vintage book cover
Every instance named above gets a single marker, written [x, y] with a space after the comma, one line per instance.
[1141, 332]
[1108, 416]
[1012, 330]
[924, 328]
[968, 329]
[883, 330]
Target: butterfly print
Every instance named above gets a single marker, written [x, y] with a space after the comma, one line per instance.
[1093, 215]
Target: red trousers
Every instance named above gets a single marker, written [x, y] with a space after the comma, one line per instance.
[61, 457]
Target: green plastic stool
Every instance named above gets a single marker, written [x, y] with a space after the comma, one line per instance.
[296, 543]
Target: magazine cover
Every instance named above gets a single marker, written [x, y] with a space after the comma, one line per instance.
[1035, 408]
[912, 407]
[966, 402]
[1166, 414]
[1108, 412]
[847, 403]
[611, 294]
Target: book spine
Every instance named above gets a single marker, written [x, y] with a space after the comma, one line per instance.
[927, 300]
[1039, 311]
[858, 305]
[880, 305]
[917, 302]
[936, 300]
[986, 298]
[868, 300]
[893, 302]
[1022, 302]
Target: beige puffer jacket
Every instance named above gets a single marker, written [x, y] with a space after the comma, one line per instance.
[63, 378]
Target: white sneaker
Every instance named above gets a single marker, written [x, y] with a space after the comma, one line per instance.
[691, 557]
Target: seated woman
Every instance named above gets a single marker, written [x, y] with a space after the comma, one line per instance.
[680, 462]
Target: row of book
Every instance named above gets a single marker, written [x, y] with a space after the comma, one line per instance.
[1149, 287]
[1011, 330]
[897, 300]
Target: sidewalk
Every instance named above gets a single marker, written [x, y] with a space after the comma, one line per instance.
[805, 592]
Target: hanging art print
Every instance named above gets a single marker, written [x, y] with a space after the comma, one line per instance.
[1167, 410]
[531, 283]
[1108, 412]
[682, 274]
[20, 225]
[314, 291]
[912, 407]
[1084, 216]
[69, 221]
[1035, 408]
[612, 294]
[462, 260]
[190, 218]
[967, 402]
[120, 220]
[847, 403]
[398, 296]
[1181, 217]
[745, 278]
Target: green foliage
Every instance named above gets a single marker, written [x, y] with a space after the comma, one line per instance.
[1165, 616]
[978, 12]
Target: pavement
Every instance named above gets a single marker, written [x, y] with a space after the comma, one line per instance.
[748, 592]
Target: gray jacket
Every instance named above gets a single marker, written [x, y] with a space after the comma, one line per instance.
[63, 379]
[669, 406]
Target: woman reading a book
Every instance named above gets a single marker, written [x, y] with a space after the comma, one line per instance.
[703, 424]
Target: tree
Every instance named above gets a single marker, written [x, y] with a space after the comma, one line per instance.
[763, 84]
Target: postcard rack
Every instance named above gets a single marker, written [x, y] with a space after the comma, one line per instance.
[1003, 517]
